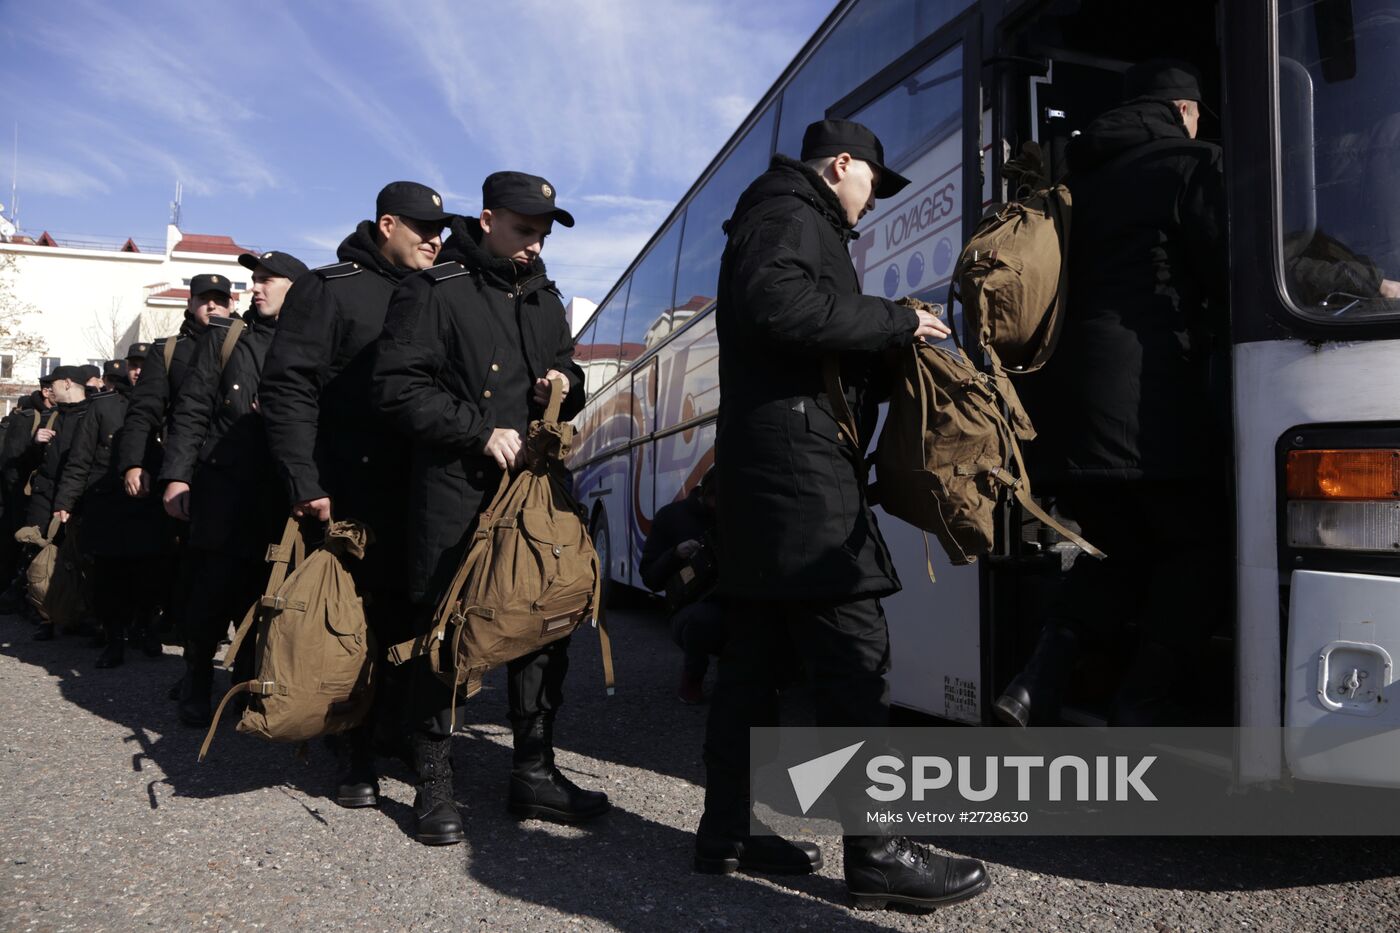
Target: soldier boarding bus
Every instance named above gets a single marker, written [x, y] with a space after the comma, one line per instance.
[1300, 95]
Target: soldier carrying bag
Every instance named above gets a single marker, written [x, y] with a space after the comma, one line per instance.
[530, 575]
[40, 572]
[315, 653]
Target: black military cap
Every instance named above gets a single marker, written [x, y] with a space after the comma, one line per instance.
[138, 351]
[833, 137]
[283, 264]
[47, 380]
[410, 199]
[210, 283]
[524, 194]
[1163, 79]
[114, 369]
[71, 373]
[87, 372]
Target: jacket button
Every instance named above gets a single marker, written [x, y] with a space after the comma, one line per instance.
[235, 387]
[486, 394]
[841, 436]
[495, 367]
[364, 459]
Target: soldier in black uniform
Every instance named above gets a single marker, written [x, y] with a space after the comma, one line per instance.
[70, 392]
[333, 452]
[460, 371]
[20, 455]
[139, 449]
[803, 564]
[218, 475]
[136, 360]
[121, 534]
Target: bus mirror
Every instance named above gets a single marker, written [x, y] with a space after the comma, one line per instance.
[1336, 39]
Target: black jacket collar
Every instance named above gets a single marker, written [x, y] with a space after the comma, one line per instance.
[361, 247]
[464, 246]
[790, 178]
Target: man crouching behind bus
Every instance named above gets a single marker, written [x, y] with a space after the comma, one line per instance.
[803, 563]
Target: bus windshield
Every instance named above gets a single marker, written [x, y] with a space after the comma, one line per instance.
[1339, 165]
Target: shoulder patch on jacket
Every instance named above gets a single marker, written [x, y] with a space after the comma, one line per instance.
[338, 270]
[779, 233]
[445, 270]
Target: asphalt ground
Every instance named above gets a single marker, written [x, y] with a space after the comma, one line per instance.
[108, 823]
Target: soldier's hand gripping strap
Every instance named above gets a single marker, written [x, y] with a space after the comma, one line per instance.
[289, 553]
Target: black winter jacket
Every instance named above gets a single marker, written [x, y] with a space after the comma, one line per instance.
[462, 345]
[326, 435]
[793, 514]
[55, 458]
[217, 444]
[114, 524]
[152, 400]
[1126, 394]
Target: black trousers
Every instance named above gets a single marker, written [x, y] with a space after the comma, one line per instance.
[845, 650]
[534, 686]
[1168, 567]
[699, 631]
[221, 590]
[124, 591]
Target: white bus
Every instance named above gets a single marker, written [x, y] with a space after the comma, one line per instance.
[1310, 125]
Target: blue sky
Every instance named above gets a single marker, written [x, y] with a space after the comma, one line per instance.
[282, 119]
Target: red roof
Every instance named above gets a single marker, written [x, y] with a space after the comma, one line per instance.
[45, 240]
[181, 293]
[129, 246]
[212, 245]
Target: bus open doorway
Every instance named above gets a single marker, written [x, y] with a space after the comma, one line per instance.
[1054, 70]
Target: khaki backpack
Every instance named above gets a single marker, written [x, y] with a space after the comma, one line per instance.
[1010, 279]
[949, 452]
[39, 574]
[530, 575]
[315, 662]
[68, 602]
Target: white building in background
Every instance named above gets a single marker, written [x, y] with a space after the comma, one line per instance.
[578, 311]
[86, 302]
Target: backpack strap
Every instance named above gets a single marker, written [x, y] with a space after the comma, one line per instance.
[169, 352]
[831, 375]
[291, 550]
[556, 401]
[235, 330]
[600, 622]
[38, 417]
[1021, 488]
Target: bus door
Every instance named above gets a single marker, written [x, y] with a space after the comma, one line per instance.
[926, 108]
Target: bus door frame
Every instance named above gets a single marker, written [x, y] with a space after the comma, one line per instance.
[965, 30]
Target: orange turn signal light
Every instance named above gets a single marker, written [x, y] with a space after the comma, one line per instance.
[1344, 474]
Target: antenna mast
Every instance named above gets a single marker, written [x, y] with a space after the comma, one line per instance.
[175, 204]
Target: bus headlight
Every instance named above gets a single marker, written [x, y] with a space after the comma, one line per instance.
[1344, 499]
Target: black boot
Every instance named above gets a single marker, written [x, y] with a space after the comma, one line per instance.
[194, 703]
[439, 823]
[537, 788]
[359, 787]
[1036, 690]
[147, 638]
[884, 870]
[114, 648]
[44, 632]
[767, 854]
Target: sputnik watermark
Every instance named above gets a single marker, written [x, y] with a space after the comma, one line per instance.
[1060, 781]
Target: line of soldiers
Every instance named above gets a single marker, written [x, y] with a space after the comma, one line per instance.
[392, 387]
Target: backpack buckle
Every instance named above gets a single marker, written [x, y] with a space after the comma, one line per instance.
[1002, 476]
[273, 602]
